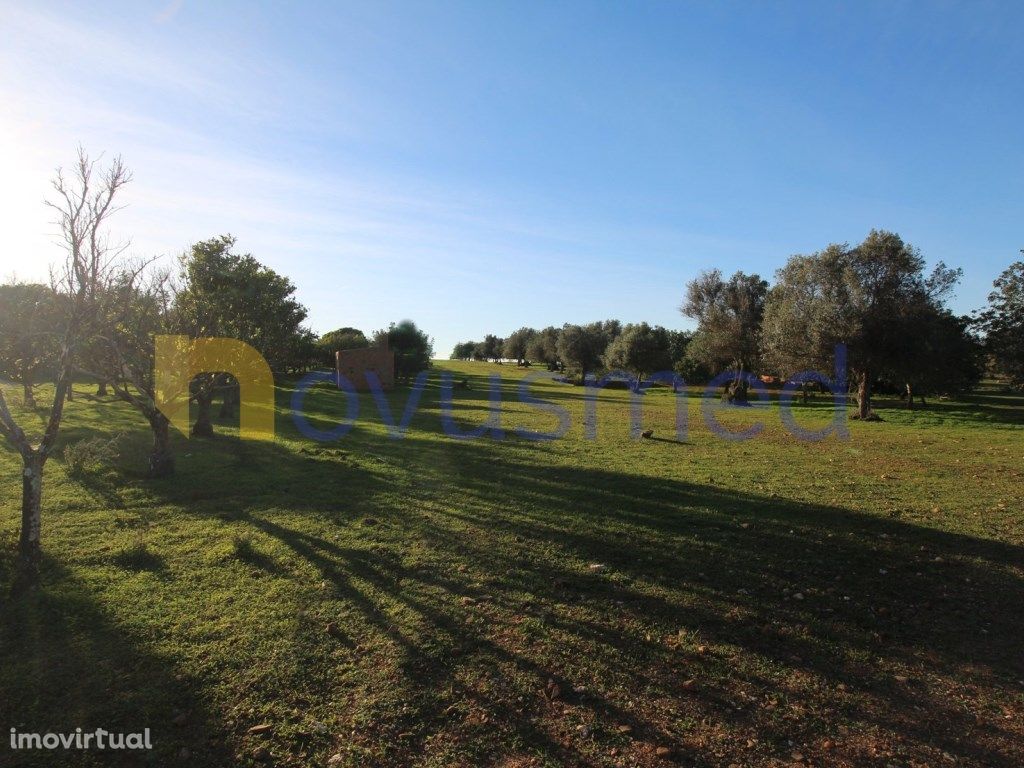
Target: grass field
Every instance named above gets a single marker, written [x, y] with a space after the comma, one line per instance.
[437, 602]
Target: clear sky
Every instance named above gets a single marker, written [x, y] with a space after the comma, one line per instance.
[481, 166]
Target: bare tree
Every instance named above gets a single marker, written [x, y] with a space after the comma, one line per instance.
[84, 202]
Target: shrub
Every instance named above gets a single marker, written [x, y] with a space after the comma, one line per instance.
[90, 455]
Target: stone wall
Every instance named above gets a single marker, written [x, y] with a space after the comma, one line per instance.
[354, 363]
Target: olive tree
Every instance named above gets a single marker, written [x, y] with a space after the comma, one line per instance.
[728, 315]
[543, 348]
[869, 298]
[640, 349]
[463, 350]
[517, 344]
[581, 347]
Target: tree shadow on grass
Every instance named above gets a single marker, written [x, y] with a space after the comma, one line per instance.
[64, 664]
[727, 627]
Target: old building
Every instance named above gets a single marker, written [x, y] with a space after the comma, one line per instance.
[354, 364]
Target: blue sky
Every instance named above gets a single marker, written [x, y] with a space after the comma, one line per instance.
[481, 166]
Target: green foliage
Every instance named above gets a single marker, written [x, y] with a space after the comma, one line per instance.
[91, 455]
[228, 294]
[303, 352]
[337, 340]
[491, 347]
[686, 357]
[412, 347]
[640, 349]
[875, 299]
[543, 347]
[463, 350]
[1003, 323]
[728, 315]
[517, 343]
[582, 347]
[29, 326]
[943, 356]
[611, 329]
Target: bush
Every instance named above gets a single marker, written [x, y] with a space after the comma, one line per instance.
[90, 455]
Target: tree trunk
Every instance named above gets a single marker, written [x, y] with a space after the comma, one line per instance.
[864, 395]
[71, 393]
[29, 553]
[203, 426]
[28, 396]
[161, 460]
[910, 396]
[101, 389]
[739, 385]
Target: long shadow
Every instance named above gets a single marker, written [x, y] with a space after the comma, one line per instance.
[864, 622]
[67, 665]
[733, 627]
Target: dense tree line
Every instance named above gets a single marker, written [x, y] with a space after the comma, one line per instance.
[587, 350]
[875, 299]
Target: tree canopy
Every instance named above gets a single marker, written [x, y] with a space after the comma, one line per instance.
[640, 349]
[871, 298]
[463, 350]
[728, 315]
[543, 347]
[1003, 323]
[517, 344]
[224, 293]
[337, 340]
[492, 347]
[412, 347]
[28, 328]
[581, 347]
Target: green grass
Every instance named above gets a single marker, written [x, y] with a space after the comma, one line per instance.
[432, 602]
